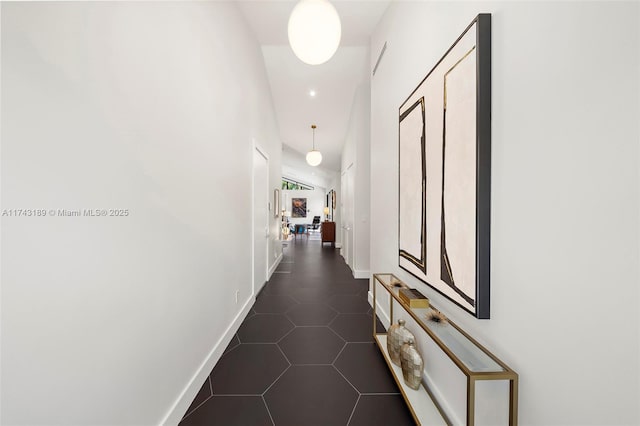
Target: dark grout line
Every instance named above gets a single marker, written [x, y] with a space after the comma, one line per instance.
[354, 409]
[264, 401]
[343, 376]
[198, 406]
[277, 378]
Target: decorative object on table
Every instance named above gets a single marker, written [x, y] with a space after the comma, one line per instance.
[397, 335]
[412, 364]
[437, 317]
[326, 214]
[298, 207]
[276, 202]
[445, 173]
[314, 31]
[285, 223]
[413, 298]
[397, 283]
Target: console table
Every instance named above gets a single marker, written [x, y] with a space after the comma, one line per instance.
[466, 354]
[328, 231]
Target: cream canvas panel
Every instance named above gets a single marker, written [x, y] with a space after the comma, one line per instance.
[412, 250]
[462, 241]
[459, 187]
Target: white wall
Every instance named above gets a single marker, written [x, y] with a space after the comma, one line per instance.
[362, 110]
[316, 199]
[565, 193]
[139, 106]
[356, 154]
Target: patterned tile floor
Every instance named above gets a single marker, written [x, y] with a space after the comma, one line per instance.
[304, 355]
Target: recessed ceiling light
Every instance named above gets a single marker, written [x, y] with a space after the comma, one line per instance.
[312, 93]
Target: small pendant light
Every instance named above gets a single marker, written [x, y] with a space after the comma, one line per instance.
[314, 157]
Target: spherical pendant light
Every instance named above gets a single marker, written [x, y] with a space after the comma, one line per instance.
[314, 31]
[314, 157]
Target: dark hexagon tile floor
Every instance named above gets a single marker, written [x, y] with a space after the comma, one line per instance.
[343, 288]
[311, 314]
[264, 328]
[248, 370]
[231, 411]
[349, 304]
[365, 368]
[311, 294]
[354, 327]
[280, 287]
[381, 410]
[232, 345]
[311, 395]
[273, 303]
[304, 354]
[311, 345]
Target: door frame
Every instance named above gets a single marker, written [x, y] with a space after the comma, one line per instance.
[261, 151]
[348, 220]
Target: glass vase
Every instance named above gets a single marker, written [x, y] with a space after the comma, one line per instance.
[397, 335]
[412, 364]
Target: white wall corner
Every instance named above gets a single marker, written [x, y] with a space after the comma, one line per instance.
[274, 266]
[180, 406]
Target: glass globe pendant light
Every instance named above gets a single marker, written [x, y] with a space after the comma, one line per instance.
[314, 157]
[314, 31]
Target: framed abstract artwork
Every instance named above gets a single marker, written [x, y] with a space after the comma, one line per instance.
[445, 173]
[298, 207]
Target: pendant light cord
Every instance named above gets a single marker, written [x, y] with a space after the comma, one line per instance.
[313, 126]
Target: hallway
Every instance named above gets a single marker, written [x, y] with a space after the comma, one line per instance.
[305, 353]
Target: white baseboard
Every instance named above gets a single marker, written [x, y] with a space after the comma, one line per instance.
[180, 406]
[382, 315]
[338, 245]
[274, 266]
[437, 396]
[359, 275]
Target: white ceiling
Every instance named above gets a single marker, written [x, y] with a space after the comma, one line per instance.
[335, 81]
[294, 166]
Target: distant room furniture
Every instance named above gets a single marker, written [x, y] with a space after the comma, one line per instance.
[300, 229]
[316, 223]
[328, 231]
